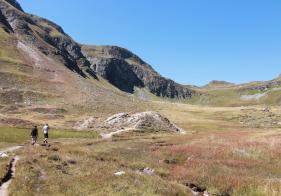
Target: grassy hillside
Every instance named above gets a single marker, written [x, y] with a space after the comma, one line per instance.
[30, 80]
[254, 93]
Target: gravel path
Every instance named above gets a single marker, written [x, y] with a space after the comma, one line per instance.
[109, 135]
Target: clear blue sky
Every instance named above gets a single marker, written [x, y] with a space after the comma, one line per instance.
[189, 41]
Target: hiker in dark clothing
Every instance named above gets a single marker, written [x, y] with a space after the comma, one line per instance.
[34, 135]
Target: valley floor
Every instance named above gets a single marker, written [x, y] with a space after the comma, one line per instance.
[228, 151]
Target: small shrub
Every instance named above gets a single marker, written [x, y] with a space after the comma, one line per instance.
[137, 166]
[54, 157]
[171, 161]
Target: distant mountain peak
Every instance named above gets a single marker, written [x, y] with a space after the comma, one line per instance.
[218, 83]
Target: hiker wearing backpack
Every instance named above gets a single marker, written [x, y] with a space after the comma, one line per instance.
[34, 135]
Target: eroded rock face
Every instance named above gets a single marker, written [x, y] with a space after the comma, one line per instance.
[4, 23]
[117, 72]
[131, 71]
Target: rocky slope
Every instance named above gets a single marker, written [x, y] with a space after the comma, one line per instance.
[126, 71]
[120, 67]
[4, 23]
[42, 67]
[46, 36]
[41, 64]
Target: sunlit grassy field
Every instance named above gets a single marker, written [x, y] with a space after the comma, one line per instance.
[226, 163]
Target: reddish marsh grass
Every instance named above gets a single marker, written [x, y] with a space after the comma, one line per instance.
[238, 163]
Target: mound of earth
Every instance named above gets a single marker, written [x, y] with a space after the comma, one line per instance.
[138, 121]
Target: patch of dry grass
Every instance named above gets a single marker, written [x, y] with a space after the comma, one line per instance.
[44, 171]
[198, 118]
[235, 163]
[238, 163]
[221, 155]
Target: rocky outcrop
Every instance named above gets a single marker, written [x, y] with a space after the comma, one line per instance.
[263, 86]
[117, 72]
[15, 4]
[114, 63]
[143, 121]
[4, 23]
[140, 121]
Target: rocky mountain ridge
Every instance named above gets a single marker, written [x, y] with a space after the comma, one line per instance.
[46, 36]
[39, 60]
[52, 41]
[126, 71]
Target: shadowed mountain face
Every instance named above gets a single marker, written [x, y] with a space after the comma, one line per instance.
[126, 71]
